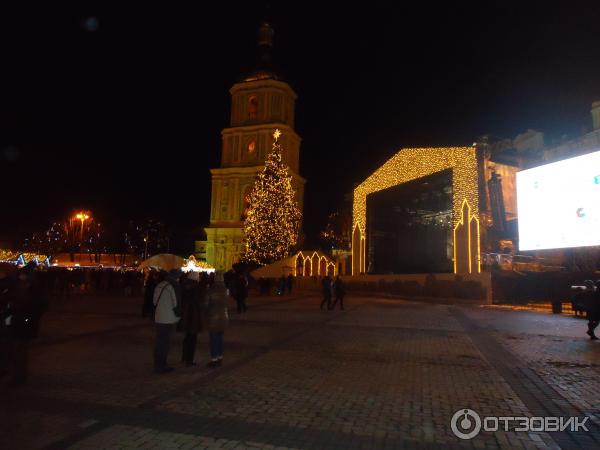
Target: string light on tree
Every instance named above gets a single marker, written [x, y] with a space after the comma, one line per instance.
[273, 219]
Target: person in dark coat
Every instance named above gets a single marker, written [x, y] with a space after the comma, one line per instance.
[290, 283]
[26, 304]
[192, 306]
[338, 290]
[326, 289]
[593, 311]
[217, 318]
[6, 284]
[229, 280]
[148, 306]
[240, 292]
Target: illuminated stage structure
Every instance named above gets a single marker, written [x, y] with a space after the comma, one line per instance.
[419, 212]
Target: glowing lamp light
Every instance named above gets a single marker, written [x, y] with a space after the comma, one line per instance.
[191, 265]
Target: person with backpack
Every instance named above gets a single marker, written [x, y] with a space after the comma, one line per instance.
[166, 316]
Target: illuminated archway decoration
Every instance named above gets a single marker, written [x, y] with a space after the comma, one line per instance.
[413, 163]
[314, 264]
[331, 268]
[307, 267]
[299, 265]
[466, 242]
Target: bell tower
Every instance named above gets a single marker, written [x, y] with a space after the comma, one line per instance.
[260, 102]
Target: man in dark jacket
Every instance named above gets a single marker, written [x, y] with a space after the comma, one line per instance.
[593, 312]
[192, 316]
[27, 303]
[148, 307]
[240, 292]
[326, 286]
[338, 289]
[6, 284]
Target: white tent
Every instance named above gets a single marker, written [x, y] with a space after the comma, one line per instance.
[164, 261]
[303, 263]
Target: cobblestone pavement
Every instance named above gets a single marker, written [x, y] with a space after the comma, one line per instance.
[381, 374]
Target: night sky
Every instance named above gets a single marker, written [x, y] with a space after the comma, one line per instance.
[119, 110]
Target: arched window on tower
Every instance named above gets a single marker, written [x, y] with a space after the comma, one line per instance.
[253, 107]
[251, 148]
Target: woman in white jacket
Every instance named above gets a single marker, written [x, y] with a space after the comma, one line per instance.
[165, 303]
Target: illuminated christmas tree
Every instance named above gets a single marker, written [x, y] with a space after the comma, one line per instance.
[273, 218]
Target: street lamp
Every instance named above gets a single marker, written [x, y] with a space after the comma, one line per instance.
[83, 217]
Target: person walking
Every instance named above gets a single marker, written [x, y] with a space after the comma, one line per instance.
[326, 289]
[217, 318]
[338, 289]
[192, 303]
[165, 316]
[593, 310]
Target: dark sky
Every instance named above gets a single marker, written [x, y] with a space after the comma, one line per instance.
[122, 114]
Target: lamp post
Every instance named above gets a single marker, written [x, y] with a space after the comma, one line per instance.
[83, 217]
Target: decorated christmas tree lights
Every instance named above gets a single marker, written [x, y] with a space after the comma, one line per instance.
[273, 218]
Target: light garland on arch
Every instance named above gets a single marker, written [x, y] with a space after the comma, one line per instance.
[413, 163]
[12, 256]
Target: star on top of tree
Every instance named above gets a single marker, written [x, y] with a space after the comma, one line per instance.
[276, 134]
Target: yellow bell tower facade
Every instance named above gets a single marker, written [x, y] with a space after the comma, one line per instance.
[260, 103]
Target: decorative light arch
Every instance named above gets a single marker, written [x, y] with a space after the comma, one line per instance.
[314, 264]
[413, 163]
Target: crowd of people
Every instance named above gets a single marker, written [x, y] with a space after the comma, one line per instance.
[189, 303]
[66, 282]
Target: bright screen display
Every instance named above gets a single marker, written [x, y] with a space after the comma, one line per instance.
[559, 204]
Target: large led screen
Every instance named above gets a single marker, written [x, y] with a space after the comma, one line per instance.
[559, 204]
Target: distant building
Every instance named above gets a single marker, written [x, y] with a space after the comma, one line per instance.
[260, 103]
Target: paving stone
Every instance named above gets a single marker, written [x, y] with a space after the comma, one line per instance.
[383, 374]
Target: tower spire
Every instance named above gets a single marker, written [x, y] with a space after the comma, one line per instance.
[265, 35]
[264, 67]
